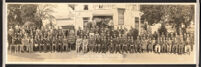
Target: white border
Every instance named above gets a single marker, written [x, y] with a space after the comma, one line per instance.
[197, 24]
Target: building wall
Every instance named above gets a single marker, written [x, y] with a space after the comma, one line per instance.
[129, 14]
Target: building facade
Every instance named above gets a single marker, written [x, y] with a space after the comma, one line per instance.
[119, 15]
[123, 15]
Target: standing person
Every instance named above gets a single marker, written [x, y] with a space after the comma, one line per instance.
[116, 33]
[31, 41]
[103, 45]
[132, 45]
[45, 44]
[112, 45]
[136, 44]
[16, 42]
[12, 45]
[48, 45]
[24, 42]
[107, 33]
[121, 31]
[91, 43]
[187, 45]
[115, 44]
[79, 42]
[163, 44]
[118, 45]
[10, 38]
[121, 44]
[181, 45]
[157, 46]
[110, 23]
[144, 44]
[54, 43]
[174, 45]
[40, 40]
[96, 33]
[192, 40]
[112, 32]
[150, 45]
[153, 43]
[98, 45]
[96, 36]
[28, 44]
[125, 44]
[65, 44]
[85, 44]
[59, 45]
[19, 40]
[42, 44]
[36, 43]
[79, 31]
[128, 40]
[169, 45]
[107, 44]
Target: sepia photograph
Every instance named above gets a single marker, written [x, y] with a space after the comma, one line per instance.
[100, 33]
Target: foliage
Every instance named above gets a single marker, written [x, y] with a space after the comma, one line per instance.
[175, 15]
[44, 13]
[152, 13]
[19, 14]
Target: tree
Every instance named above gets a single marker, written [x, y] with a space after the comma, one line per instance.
[180, 14]
[18, 14]
[13, 16]
[152, 13]
[44, 13]
[28, 12]
[175, 15]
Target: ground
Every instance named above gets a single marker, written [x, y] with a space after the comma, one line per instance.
[94, 58]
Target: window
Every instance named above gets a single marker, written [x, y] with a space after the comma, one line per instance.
[121, 16]
[100, 6]
[137, 22]
[85, 7]
[85, 21]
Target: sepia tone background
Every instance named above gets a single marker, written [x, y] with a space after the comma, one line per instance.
[62, 11]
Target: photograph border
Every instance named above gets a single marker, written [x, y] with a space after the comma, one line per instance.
[18, 1]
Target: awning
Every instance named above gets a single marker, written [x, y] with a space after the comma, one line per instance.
[68, 27]
[103, 13]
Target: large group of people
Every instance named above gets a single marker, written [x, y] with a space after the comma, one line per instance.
[96, 39]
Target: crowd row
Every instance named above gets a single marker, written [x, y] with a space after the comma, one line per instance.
[58, 40]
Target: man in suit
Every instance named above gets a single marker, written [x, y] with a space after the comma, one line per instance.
[187, 45]
[158, 46]
[174, 45]
[169, 45]
[78, 43]
[85, 44]
[111, 45]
